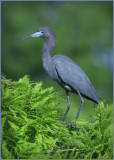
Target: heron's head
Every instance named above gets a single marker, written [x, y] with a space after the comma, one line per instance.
[43, 32]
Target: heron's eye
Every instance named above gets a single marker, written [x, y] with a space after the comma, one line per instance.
[42, 31]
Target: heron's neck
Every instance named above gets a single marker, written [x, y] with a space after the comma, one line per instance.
[46, 53]
[47, 49]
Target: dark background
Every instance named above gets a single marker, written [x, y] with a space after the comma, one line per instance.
[84, 33]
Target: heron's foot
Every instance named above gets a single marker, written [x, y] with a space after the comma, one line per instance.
[63, 119]
[71, 125]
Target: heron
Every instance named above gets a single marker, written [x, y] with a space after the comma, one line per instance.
[65, 71]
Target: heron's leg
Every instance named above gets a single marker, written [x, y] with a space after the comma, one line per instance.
[68, 107]
[82, 102]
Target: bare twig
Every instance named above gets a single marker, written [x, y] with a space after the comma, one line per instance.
[65, 150]
[8, 83]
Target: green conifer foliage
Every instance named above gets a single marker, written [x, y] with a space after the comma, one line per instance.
[31, 126]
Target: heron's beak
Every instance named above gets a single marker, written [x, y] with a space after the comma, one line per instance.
[37, 34]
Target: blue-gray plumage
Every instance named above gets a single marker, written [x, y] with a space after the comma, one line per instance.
[64, 71]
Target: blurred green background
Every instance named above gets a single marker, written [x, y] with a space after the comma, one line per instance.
[84, 33]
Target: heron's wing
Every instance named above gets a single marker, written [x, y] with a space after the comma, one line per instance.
[72, 75]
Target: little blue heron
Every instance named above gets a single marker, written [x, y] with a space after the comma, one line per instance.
[64, 71]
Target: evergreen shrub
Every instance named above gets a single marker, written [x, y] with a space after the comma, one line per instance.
[31, 126]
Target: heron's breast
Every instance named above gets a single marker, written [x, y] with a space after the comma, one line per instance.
[50, 70]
